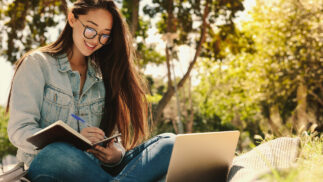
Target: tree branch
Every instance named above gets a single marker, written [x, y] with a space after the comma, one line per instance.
[170, 91]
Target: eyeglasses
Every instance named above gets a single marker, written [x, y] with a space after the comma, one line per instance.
[90, 33]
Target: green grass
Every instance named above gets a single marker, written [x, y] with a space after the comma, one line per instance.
[309, 165]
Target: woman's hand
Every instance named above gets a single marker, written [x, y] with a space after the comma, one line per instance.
[93, 134]
[109, 154]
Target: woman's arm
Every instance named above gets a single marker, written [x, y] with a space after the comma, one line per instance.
[26, 101]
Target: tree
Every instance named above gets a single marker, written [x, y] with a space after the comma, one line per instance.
[177, 16]
[131, 11]
[290, 45]
[26, 24]
[269, 77]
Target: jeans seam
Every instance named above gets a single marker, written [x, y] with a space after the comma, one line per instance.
[135, 164]
[42, 175]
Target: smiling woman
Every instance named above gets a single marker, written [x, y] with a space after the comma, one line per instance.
[95, 21]
[88, 71]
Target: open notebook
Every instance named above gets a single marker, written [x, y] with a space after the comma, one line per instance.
[60, 131]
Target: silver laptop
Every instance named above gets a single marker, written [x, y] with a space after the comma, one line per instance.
[202, 156]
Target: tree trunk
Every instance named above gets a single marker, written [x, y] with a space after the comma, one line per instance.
[170, 10]
[170, 90]
[169, 75]
[134, 17]
[301, 110]
[275, 121]
[190, 113]
[132, 7]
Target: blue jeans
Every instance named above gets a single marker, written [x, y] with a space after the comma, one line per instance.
[63, 162]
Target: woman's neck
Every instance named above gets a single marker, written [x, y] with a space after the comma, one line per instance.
[76, 58]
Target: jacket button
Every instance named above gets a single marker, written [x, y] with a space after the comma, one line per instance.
[55, 97]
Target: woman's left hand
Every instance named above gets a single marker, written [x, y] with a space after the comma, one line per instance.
[109, 154]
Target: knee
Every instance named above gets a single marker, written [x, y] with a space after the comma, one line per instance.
[56, 147]
[57, 151]
[167, 141]
[54, 159]
[167, 135]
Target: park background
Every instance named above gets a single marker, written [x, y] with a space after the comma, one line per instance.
[211, 65]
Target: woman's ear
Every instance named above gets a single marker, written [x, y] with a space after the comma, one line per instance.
[71, 18]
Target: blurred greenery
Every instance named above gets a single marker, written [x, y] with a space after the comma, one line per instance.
[6, 147]
[262, 77]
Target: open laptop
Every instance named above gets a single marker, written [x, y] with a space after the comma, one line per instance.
[202, 157]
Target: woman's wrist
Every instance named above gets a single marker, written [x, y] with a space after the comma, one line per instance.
[113, 164]
[121, 154]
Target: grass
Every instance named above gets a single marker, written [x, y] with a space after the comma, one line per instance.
[309, 165]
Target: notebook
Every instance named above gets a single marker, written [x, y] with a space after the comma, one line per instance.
[60, 131]
[202, 156]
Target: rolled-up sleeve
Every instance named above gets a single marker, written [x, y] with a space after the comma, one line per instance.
[25, 104]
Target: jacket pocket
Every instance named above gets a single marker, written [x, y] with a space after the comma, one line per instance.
[97, 109]
[56, 106]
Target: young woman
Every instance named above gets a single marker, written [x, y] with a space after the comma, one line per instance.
[88, 72]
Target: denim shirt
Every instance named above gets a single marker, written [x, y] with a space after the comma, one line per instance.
[44, 90]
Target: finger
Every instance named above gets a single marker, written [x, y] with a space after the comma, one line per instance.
[100, 155]
[101, 159]
[95, 152]
[93, 139]
[96, 130]
[91, 132]
[111, 145]
[95, 135]
[102, 150]
[97, 155]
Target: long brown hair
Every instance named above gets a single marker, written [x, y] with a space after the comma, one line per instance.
[125, 102]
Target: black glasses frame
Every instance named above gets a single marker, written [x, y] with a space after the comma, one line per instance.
[96, 33]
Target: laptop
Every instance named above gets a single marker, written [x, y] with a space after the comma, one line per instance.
[202, 157]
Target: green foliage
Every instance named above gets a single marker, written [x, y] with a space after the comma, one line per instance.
[149, 55]
[203, 123]
[289, 45]
[289, 50]
[246, 72]
[230, 91]
[5, 146]
[27, 24]
[146, 53]
[184, 13]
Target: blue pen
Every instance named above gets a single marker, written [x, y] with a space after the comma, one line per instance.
[83, 121]
[80, 119]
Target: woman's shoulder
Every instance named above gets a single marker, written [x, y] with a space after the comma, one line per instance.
[36, 60]
[41, 57]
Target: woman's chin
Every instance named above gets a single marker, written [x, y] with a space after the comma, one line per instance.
[87, 52]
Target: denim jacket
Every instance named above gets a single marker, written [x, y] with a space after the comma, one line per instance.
[44, 90]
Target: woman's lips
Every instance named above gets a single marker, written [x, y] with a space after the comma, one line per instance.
[89, 46]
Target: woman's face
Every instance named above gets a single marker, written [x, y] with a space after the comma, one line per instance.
[96, 21]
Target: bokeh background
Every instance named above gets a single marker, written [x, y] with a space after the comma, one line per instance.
[211, 65]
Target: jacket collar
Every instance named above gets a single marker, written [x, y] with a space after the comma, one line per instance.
[64, 66]
[63, 63]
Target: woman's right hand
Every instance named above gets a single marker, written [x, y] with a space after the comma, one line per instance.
[93, 134]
